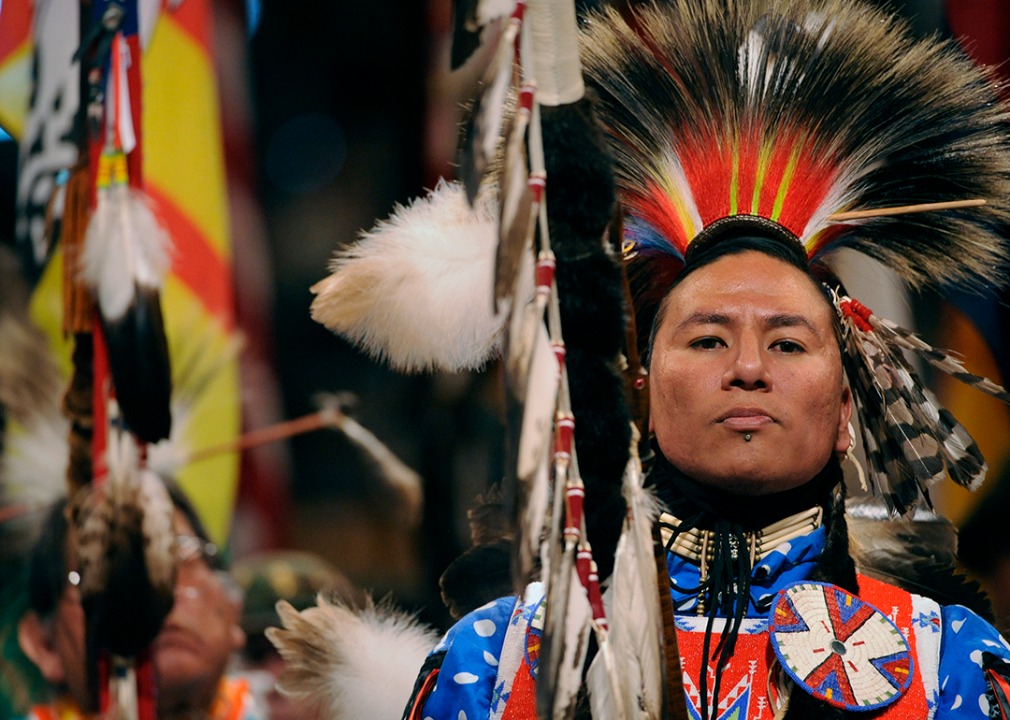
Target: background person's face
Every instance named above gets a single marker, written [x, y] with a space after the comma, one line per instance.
[191, 652]
[198, 636]
[747, 347]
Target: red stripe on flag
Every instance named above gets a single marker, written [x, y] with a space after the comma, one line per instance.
[195, 262]
[15, 25]
[194, 17]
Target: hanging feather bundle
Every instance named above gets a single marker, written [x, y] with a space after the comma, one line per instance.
[126, 251]
[126, 552]
[910, 440]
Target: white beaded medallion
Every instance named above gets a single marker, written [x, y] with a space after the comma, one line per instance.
[839, 648]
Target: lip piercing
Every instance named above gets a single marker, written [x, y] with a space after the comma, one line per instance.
[747, 437]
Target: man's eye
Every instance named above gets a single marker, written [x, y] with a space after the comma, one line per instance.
[708, 343]
[788, 346]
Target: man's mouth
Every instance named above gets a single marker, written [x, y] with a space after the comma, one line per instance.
[176, 636]
[746, 419]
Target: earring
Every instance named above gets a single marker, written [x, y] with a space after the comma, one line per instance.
[850, 455]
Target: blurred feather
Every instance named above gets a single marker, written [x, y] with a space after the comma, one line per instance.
[416, 291]
[917, 554]
[126, 547]
[354, 664]
[484, 130]
[33, 465]
[200, 354]
[125, 258]
[400, 478]
[636, 622]
[125, 249]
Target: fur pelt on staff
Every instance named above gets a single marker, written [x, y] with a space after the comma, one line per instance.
[579, 209]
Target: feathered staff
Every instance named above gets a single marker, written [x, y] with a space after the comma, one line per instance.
[126, 252]
[573, 359]
[126, 542]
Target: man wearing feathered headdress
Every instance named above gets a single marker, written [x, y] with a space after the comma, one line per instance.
[191, 653]
[749, 141]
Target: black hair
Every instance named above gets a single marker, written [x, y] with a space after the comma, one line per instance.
[47, 566]
[720, 240]
[47, 563]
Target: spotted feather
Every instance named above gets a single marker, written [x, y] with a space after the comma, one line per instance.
[919, 440]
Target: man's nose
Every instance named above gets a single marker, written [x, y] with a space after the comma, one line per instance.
[747, 370]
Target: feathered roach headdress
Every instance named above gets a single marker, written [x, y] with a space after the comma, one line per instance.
[780, 118]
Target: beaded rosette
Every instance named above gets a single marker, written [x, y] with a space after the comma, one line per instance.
[839, 648]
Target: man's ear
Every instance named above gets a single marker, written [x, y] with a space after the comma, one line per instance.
[36, 642]
[845, 439]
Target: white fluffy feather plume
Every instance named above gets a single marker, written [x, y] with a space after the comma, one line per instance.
[132, 500]
[488, 10]
[356, 664]
[33, 465]
[124, 246]
[416, 290]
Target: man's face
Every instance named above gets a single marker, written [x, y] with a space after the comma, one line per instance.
[200, 633]
[746, 348]
[190, 653]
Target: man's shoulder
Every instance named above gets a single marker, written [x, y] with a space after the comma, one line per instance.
[57, 710]
[482, 626]
[235, 700]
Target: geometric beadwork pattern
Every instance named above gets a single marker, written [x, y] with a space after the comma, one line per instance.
[839, 648]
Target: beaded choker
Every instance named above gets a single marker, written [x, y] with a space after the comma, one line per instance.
[696, 545]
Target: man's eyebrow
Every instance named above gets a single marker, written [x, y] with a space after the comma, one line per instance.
[704, 318]
[788, 320]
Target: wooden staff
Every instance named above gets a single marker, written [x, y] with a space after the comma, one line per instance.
[327, 417]
[904, 210]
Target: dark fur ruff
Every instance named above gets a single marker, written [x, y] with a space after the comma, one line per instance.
[480, 575]
[580, 202]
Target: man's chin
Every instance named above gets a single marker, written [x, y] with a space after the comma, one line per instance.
[749, 476]
[179, 662]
